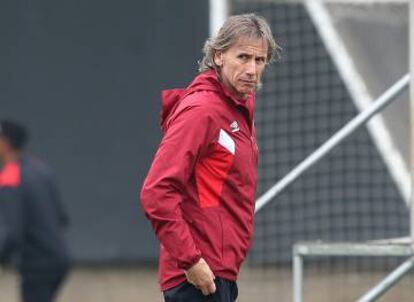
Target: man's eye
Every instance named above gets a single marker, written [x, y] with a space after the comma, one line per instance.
[260, 60]
[243, 57]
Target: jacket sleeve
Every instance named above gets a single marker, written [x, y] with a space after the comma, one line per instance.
[188, 135]
[61, 212]
[11, 229]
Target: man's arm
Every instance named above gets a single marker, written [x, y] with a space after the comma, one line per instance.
[187, 137]
[61, 211]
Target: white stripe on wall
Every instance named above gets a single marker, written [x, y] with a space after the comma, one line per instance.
[219, 11]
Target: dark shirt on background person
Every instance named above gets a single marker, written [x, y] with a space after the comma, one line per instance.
[33, 218]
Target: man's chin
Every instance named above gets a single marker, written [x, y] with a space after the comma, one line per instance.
[244, 93]
[247, 88]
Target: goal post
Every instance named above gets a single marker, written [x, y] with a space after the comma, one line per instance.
[339, 58]
[411, 60]
[387, 248]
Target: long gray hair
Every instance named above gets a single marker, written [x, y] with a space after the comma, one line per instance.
[235, 27]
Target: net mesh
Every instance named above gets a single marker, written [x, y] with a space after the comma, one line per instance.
[349, 195]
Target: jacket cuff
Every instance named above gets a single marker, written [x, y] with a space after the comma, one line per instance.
[188, 263]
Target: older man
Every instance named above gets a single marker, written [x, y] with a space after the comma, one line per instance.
[200, 191]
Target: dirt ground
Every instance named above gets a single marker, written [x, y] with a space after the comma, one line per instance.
[140, 284]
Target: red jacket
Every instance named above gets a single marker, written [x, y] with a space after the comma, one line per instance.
[199, 193]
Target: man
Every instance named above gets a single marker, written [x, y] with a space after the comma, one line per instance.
[32, 216]
[200, 191]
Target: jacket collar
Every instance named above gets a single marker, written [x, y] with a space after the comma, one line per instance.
[210, 80]
[205, 81]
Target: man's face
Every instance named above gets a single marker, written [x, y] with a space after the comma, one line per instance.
[242, 65]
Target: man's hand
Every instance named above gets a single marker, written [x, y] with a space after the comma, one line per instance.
[201, 276]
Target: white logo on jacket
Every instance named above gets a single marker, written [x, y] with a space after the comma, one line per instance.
[234, 126]
[227, 142]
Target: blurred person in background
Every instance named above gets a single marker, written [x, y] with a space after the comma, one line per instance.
[199, 193]
[33, 218]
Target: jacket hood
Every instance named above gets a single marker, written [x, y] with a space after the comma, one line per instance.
[205, 81]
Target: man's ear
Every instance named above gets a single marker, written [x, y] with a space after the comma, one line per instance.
[218, 58]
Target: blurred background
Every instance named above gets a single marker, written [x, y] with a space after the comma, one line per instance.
[86, 78]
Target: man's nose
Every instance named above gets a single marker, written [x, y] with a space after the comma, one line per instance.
[251, 68]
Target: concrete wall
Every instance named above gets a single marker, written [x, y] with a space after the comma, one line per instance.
[86, 77]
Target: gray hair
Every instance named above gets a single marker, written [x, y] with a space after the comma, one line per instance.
[247, 25]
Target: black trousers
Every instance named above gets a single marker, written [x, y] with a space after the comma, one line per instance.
[226, 291]
[41, 286]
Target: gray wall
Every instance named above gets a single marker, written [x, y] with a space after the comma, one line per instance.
[86, 76]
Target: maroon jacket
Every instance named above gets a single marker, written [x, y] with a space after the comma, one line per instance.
[199, 193]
